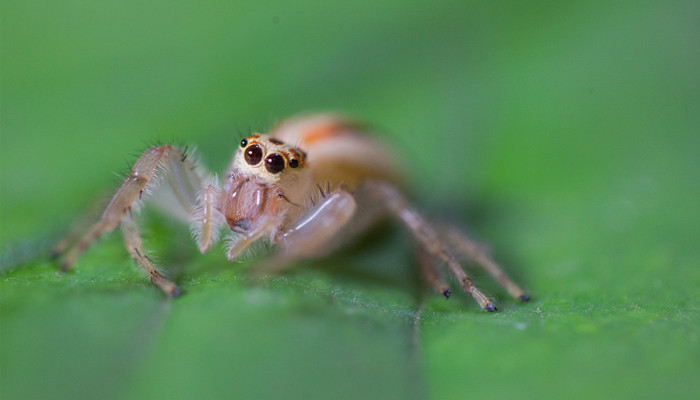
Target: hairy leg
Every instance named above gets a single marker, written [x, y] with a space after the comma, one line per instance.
[156, 165]
[134, 245]
[79, 226]
[207, 218]
[426, 236]
[472, 250]
[430, 274]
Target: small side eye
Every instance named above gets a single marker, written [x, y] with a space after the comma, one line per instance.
[244, 143]
[253, 154]
[274, 163]
[293, 163]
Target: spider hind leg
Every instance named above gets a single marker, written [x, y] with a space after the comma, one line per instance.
[427, 238]
[469, 249]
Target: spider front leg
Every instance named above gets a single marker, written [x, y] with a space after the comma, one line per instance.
[241, 239]
[161, 164]
[426, 236]
[134, 245]
[312, 234]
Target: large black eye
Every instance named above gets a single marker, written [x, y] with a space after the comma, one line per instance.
[244, 143]
[253, 154]
[274, 163]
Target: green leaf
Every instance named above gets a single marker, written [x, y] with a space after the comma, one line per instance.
[564, 135]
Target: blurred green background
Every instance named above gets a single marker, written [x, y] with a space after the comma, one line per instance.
[564, 134]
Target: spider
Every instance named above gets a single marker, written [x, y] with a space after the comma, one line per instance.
[310, 185]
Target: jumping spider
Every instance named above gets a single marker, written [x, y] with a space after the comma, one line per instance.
[308, 186]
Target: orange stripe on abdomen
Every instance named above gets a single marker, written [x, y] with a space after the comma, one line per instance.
[323, 131]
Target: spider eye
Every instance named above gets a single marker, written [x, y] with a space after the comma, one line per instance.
[253, 154]
[293, 163]
[244, 143]
[274, 163]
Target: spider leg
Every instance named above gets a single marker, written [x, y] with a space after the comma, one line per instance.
[430, 273]
[426, 236]
[240, 240]
[472, 250]
[77, 228]
[133, 243]
[312, 234]
[207, 219]
[156, 165]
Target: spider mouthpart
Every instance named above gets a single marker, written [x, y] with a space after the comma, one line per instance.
[244, 142]
[253, 154]
[274, 163]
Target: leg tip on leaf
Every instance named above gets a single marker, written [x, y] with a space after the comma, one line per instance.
[446, 292]
[490, 307]
[524, 298]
